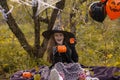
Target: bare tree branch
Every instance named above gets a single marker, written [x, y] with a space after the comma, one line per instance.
[59, 5]
[82, 1]
[37, 31]
[45, 20]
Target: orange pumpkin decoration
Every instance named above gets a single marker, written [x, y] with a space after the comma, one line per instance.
[61, 48]
[26, 75]
[72, 40]
[113, 9]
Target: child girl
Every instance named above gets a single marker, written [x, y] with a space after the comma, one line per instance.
[62, 54]
[60, 40]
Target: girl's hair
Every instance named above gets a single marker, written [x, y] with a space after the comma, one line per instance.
[50, 45]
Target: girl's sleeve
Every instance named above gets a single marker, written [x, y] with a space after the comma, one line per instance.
[74, 54]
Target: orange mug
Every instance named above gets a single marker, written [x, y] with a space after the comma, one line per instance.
[61, 48]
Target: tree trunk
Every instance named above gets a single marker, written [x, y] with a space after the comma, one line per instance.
[15, 29]
[36, 32]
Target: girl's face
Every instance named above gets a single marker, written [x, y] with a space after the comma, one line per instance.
[59, 37]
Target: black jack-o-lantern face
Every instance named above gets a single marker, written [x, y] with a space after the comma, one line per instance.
[113, 8]
[97, 11]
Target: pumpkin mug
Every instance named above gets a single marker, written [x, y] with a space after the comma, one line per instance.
[61, 48]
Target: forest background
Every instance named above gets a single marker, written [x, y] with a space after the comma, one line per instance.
[98, 44]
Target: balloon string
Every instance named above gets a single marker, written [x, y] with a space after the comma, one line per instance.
[105, 44]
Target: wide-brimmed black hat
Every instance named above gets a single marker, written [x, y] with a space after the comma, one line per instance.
[57, 29]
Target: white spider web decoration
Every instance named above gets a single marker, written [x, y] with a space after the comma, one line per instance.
[44, 4]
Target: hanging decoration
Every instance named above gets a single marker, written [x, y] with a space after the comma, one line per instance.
[113, 9]
[27, 2]
[5, 14]
[18, 1]
[97, 11]
[42, 5]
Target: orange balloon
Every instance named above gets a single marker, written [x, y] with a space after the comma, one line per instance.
[113, 9]
[61, 48]
[27, 75]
